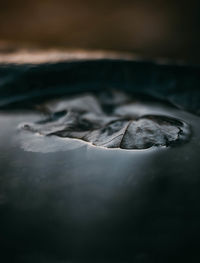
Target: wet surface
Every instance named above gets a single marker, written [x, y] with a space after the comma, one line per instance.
[65, 200]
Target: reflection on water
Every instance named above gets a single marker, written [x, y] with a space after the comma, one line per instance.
[88, 204]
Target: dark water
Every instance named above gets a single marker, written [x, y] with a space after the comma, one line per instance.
[68, 201]
[65, 205]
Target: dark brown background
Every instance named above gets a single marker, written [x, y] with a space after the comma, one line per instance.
[168, 28]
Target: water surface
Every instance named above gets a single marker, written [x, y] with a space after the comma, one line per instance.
[66, 200]
[91, 204]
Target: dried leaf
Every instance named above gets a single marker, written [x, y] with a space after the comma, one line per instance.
[87, 118]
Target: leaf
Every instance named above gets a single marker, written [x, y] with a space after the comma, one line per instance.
[100, 122]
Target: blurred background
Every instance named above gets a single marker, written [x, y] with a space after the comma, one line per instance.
[168, 28]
